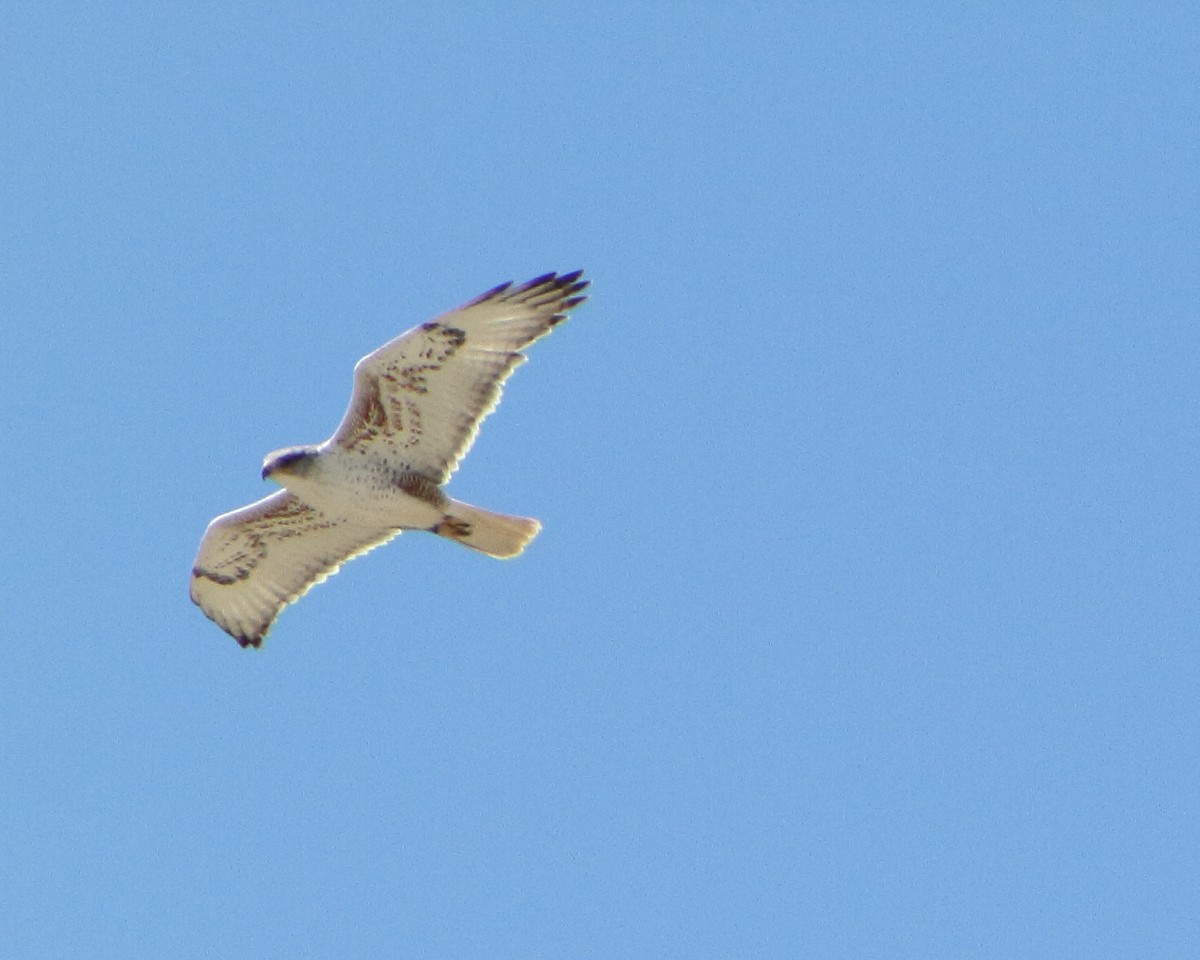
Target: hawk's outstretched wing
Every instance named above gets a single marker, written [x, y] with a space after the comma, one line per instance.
[421, 397]
[256, 560]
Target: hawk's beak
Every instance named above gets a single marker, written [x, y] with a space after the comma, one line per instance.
[266, 470]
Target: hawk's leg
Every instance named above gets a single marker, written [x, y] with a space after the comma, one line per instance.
[452, 528]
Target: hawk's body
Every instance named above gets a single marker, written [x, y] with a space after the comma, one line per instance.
[414, 413]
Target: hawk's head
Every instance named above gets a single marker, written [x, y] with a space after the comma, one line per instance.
[290, 461]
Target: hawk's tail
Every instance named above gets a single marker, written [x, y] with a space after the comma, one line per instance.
[496, 534]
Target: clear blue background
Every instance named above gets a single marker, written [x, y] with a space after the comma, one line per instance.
[864, 619]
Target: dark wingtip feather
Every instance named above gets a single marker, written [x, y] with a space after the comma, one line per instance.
[494, 292]
[536, 282]
[488, 294]
[565, 285]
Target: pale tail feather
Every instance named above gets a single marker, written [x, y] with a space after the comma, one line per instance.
[496, 534]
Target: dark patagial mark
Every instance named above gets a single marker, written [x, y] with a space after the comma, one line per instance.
[372, 418]
[373, 414]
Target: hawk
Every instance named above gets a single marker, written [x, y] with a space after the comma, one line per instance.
[414, 413]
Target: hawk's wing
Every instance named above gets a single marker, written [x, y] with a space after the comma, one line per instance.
[256, 560]
[420, 398]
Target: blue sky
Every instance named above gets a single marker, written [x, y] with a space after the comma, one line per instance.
[863, 620]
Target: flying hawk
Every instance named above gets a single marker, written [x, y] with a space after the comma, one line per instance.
[415, 410]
